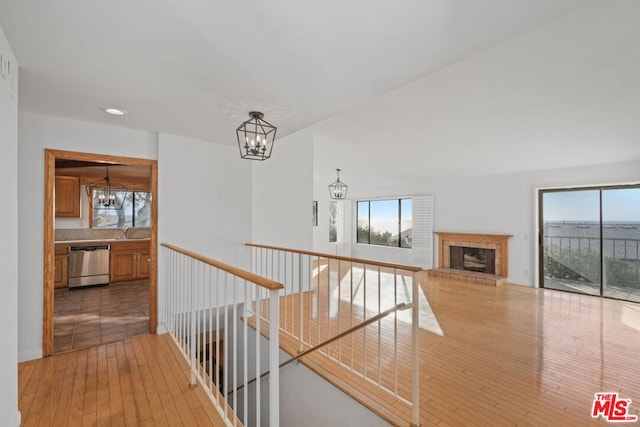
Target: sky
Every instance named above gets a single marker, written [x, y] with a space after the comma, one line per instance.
[384, 214]
[584, 205]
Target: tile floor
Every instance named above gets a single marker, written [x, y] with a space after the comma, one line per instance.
[94, 316]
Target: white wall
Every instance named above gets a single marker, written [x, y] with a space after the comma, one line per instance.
[525, 104]
[498, 204]
[306, 399]
[522, 105]
[321, 231]
[347, 217]
[507, 204]
[381, 253]
[283, 194]
[204, 198]
[9, 248]
[37, 132]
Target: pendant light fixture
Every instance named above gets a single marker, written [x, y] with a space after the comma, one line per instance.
[338, 189]
[105, 193]
[256, 137]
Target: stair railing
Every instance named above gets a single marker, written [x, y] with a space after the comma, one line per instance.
[325, 295]
[206, 306]
[341, 335]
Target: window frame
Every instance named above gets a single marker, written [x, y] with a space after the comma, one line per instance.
[399, 222]
[333, 208]
[602, 224]
[133, 205]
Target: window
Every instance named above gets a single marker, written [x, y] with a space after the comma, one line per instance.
[385, 222]
[135, 212]
[333, 222]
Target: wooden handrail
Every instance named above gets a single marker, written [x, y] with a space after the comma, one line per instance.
[341, 258]
[253, 278]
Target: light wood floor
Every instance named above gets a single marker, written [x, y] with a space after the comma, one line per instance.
[516, 355]
[141, 381]
[499, 357]
[502, 356]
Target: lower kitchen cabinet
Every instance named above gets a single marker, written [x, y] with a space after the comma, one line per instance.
[130, 261]
[60, 271]
[144, 265]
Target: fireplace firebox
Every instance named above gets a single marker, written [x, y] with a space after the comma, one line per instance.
[472, 259]
[477, 258]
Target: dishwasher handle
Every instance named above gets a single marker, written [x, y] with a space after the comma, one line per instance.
[88, 248]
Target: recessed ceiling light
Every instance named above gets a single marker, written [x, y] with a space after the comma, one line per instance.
[115, 111]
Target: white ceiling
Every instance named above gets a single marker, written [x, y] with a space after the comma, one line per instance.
[196, 67]
[565, 94]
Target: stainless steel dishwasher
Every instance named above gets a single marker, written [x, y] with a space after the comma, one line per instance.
[88, 265]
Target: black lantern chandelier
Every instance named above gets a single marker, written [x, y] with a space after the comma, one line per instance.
[105, 193]
[256, 137]
[338, 189]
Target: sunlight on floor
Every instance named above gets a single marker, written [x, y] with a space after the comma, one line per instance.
[316, 271]
[379, 299]
[631, 316]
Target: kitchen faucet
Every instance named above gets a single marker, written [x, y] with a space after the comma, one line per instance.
[124, 231]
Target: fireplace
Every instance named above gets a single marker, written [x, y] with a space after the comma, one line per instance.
[481, 260]
[477, 258]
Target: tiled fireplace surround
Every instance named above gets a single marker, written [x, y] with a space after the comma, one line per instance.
[498, 242]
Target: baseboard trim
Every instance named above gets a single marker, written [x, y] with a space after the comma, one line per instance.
[29, 355]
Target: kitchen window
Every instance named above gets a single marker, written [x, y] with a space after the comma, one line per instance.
[133, 209]
[385, 222]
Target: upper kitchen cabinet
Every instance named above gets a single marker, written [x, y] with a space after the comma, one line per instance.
[67, 197]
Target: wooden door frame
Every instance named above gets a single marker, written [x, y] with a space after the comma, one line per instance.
[49, 237]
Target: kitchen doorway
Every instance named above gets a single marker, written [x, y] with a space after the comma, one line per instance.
[50, 271]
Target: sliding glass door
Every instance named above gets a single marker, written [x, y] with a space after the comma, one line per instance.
[590, 241]
[571, 240]
[621, 240]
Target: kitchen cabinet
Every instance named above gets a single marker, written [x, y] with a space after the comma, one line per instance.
[130, 261]
[144, 264]
[60, 271]
[67, 197]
